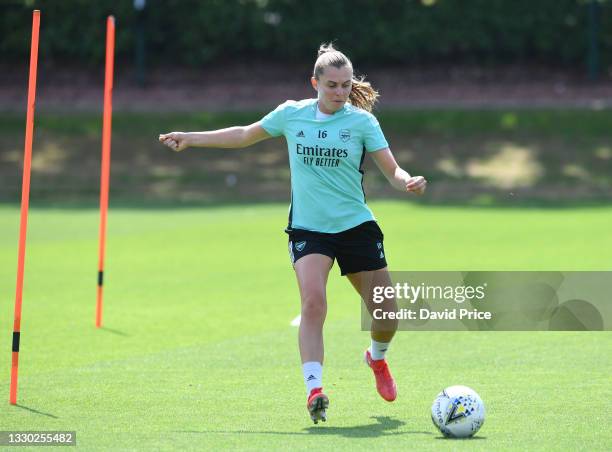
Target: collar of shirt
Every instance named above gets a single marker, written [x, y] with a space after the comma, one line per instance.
[320, 115]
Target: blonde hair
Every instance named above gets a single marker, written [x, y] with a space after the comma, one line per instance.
[362, 95]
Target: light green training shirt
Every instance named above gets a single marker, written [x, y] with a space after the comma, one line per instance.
[325, 157]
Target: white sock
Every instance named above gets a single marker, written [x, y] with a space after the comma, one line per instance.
[378, 349]
[313, 375]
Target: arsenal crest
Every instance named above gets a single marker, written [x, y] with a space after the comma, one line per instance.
[345, 135]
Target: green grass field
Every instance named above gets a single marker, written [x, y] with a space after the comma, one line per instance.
[198, 352]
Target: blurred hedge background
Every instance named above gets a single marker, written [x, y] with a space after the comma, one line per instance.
[193, 33]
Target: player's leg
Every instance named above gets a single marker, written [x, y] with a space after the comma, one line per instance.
[364, 282]
[312, 272]
[382, 331]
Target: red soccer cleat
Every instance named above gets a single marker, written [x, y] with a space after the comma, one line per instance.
[317, 404]
[385, 385]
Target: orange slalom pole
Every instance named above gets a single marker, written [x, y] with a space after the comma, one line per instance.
[106, 150]
[25, 202]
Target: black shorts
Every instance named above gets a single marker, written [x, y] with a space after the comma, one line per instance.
[357, 249]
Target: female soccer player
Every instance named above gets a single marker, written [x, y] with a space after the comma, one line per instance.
[327, 140]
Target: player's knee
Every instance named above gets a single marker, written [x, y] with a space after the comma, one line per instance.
[314, 306]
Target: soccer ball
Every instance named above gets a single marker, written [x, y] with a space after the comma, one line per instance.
[458, 412]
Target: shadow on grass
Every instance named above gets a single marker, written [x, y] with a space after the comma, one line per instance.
[471, 438]
[32, 410]
[384, 426]
[117, 332]
[514, 158]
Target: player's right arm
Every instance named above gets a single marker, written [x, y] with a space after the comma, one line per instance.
[232, 137]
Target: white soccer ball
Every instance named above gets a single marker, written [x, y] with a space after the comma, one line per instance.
[458, 412]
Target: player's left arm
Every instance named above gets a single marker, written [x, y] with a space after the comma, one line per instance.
[396, 176]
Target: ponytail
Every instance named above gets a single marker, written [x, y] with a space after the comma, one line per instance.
[363, 95]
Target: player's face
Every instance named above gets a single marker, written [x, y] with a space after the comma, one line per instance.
[333, 88]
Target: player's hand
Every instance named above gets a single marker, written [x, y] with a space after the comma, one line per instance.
[416, 185]
[177, 141]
